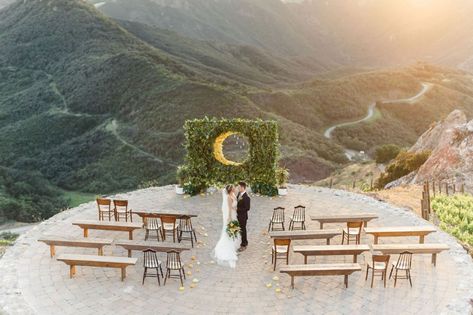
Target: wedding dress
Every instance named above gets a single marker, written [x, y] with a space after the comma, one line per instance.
[225, 252]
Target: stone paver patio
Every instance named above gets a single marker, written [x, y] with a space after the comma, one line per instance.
[32, 282]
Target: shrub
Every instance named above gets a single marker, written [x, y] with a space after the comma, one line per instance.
[282, 176]
[404, 163]
[456, 215]
[386, 153]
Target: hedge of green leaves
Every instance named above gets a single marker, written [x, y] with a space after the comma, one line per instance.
[203, 170]
[456, 215]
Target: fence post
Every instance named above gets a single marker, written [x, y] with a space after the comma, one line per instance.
[446, 188]
[354, 183]
[463, 188]
[433, 186]
[331, 182]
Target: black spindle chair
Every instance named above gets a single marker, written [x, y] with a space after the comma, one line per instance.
[277, 218]
[174, 263]
[150, 261]
[298, 217]
[185, 227]
[404, 262]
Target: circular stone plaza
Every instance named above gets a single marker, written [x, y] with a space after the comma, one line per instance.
[31, 282]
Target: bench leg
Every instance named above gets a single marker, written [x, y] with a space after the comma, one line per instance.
[328, 241]
[72, 271]
[421, 239]
[130, 235]
[376, 239]
[434, 259]
[366, 223]
[305, 259]
[321, 225]
[123, 273]
[346, 281]
[129, 253]
[292, 282]
[86, 232]
[100, 251]
[52, 250]
[355, 258]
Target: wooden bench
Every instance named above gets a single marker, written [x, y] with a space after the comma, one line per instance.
[87, 225]
[320, 270]
[399, 231]
[306, 234]
[143, 245]
[324, 250]
[96, 261]
[434, 249]
[86, 243]
[343, 218]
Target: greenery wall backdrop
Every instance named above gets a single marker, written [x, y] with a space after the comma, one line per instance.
[202, 169]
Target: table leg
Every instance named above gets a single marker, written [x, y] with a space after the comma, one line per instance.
[100, 250]
[72, 271]
[52, 250]
[421, 239]
[434, 259]
[366, 223]
[292, 282]
[376, 239]
[321, 225]
[123, 273]
[355, 258]
[346, 281]
[328, 241]
[86, 232]
[130, 235]
[129, 253]
[305, 259]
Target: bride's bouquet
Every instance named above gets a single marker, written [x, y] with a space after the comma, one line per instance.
[233, 229]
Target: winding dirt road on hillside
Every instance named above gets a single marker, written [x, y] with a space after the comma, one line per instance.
[371, 111]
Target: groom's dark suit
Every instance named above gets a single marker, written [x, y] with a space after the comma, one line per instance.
[243, 206]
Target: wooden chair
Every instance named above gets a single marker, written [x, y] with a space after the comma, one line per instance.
[280, 249]
[168, 224]
[353, 229]
[105, 207]
[121, 210]
[174, 263]
[404, 262]
[378, 264]
[298, 217]
[185, 226]
[150, 260]
[152, 224]
[277, 218]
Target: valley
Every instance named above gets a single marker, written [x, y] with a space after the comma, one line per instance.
[93, 101]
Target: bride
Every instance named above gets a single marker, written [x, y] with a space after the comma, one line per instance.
[225, 252]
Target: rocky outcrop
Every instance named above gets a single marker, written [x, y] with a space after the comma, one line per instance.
[451, 143]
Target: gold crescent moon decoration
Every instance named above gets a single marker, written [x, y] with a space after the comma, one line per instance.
[218, 149]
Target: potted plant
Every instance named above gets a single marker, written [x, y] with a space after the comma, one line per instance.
[181, 176]
[282, 176]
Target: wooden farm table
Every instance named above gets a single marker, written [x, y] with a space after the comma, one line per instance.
[399, 231]
[155, 214]
[434, 249]
[341, 218]
[143, 245]
[306, 234]
[324, 250]
[87, 225]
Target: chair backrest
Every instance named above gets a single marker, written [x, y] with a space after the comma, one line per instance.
[405, 259]
[169, 219]
[381, 259]
[185, 223]
[150, 258]
[121, 205]
[149, 220]
[355, 226]
[278, 214]
[104, 204]
[173, 259]
[299, 213]
[282, 242]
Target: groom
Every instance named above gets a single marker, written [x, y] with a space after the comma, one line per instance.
[243, 206]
